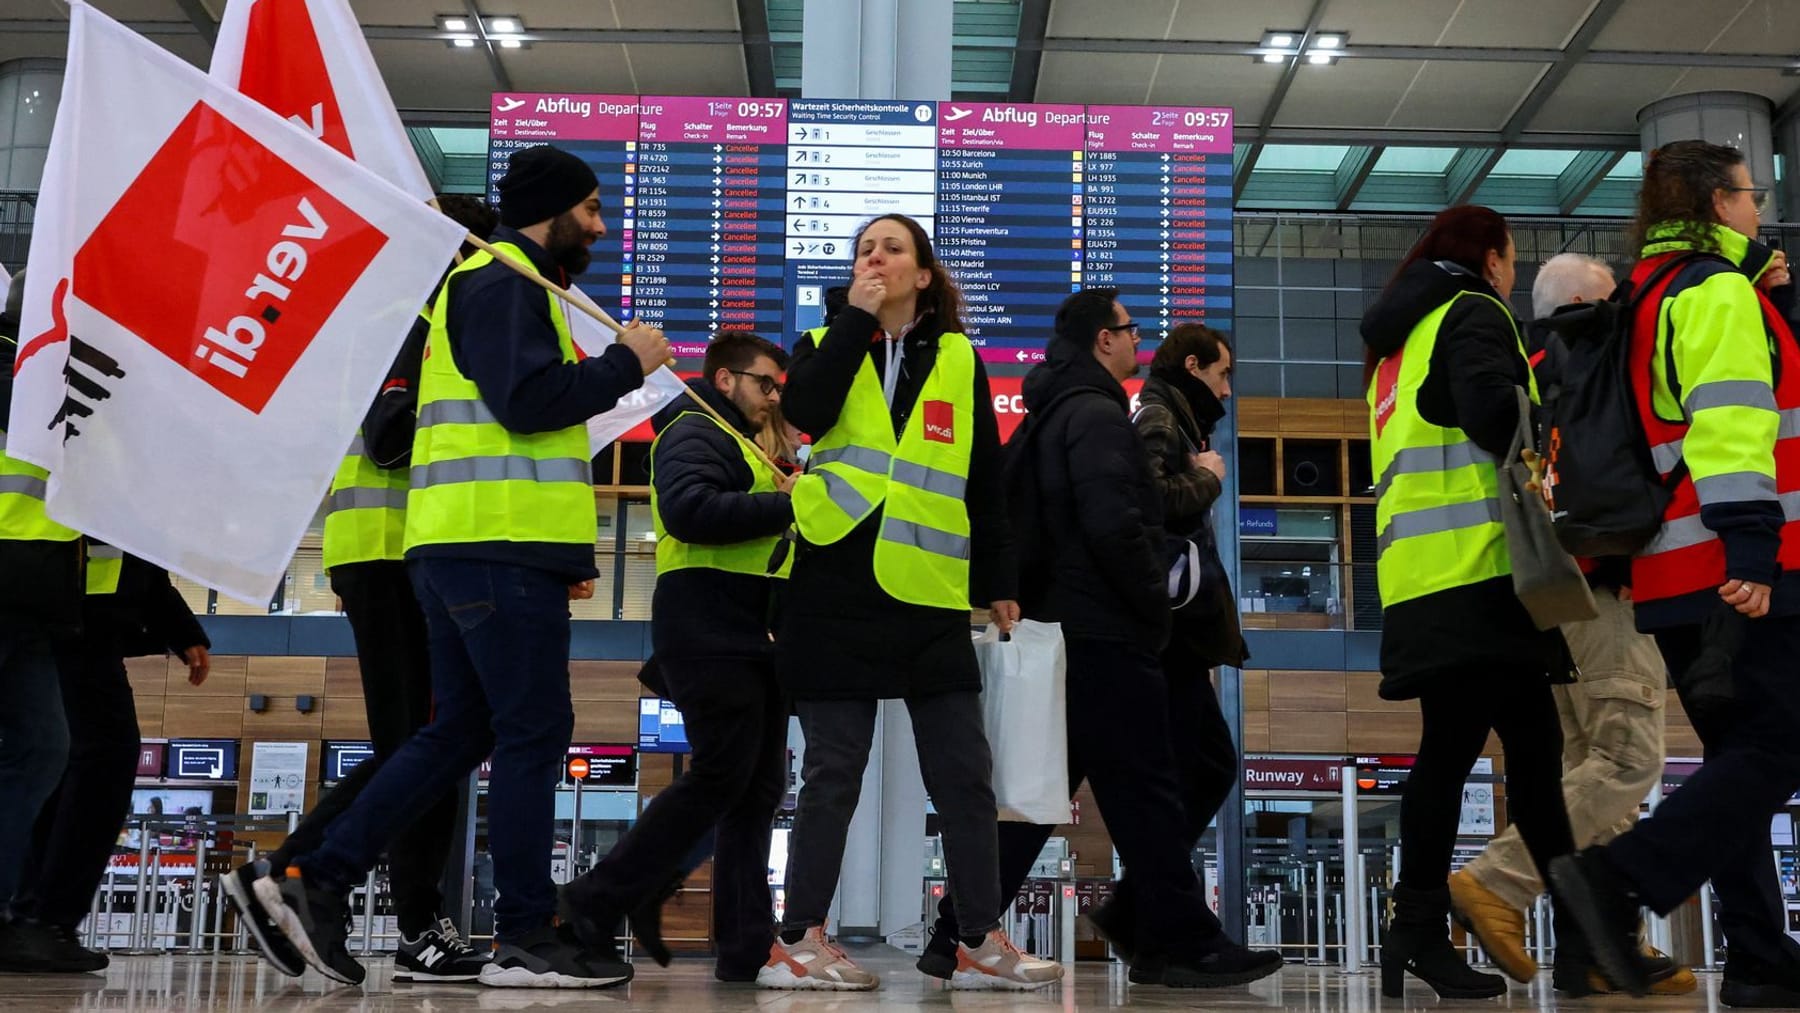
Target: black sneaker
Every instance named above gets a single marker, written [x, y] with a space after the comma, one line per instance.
[1752, 984]
[939, 958]
[23, 951]
[1606, 909]
[438, 954]
[553, 957]
[1228, 965]
[240, 889]
[315, 920]
[52, 949]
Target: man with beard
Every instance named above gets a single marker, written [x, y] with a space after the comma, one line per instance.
[500, 532]
[720, 513]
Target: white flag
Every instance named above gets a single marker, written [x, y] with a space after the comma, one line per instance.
[308, 61]
[214, 298]
[659, 387]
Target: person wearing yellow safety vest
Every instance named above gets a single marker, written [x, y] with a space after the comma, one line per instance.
[40, 604]
[500, 533]
[902, 524]
[721, 514]
[1716, 377]
[364, 546]
[1446, 356]
[131, 609]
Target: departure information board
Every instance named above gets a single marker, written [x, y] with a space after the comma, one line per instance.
[740, 213]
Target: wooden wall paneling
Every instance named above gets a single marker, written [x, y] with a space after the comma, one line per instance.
[1258, 416]
[1680, 738]
[343, 678]
[1256, 689]
[1362, 692]
[199, 715]
[1280, 467]
[343, 717]
[284, 681]
[1306, 691]
[605, 680]
[149, 679]
[1256, 731]
[606, 721]
[1308, 731]
[226, 679]
[1384, 731]
[1310, 416]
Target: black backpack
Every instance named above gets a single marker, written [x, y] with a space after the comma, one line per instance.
[1019, 468]
[1606, 496]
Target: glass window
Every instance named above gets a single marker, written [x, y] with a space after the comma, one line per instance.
[1302, 157]
[1533, 162]
[1425, 161]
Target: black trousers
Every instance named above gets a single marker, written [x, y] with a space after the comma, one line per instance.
[396, 676]
[737, 721]
[1206, 760]
[1458, 710]
[76, 829]
[1120, 742]
[1716, 826]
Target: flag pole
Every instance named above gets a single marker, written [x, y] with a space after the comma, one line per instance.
[613, 325]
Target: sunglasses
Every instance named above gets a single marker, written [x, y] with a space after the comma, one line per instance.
[1759, 194]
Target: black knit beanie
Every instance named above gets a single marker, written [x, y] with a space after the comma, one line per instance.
[541, 183]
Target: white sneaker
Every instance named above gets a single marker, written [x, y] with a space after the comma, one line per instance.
[998, 964]
[813, 963]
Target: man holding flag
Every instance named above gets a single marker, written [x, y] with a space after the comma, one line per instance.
[500, 534]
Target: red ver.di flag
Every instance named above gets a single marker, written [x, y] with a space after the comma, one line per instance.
[308, 61]
[214, 299]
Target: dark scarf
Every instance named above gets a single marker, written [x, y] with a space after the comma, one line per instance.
[1205, 407]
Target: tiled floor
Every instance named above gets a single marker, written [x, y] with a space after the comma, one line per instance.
[158, 983]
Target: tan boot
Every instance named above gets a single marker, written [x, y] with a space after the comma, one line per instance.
[1666, 976]
[1497, 925]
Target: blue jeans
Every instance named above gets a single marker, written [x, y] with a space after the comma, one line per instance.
[500, 680]
[34, 746]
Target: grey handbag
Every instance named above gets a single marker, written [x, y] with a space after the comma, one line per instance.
[1545, 577]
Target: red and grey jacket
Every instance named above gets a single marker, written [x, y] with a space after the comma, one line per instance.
[1717, 382]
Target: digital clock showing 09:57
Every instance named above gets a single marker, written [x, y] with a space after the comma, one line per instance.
[1215, 119]
[748, 109]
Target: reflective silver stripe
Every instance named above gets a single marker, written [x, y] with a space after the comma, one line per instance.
[1729, 394]
[99, 551]
[1735, 487]
[454, 411]
[1667, 455]
[860, 458]
[356, 447]
[511, 467]
[1433, 520]
[362, 498]
[929, 479]
[23, 485]
[1420, 460]
[1684, 532]
[925, 539]
[844, 496]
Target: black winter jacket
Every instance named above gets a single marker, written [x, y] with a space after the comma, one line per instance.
[702, 488]
[1475, 365]
[843, 637]
[146, 616]
[41, 582]
[1175, 419]
[1099, 509]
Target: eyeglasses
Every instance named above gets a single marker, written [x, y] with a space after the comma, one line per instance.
[1759, 194]
[1129, 329]
[769, 384]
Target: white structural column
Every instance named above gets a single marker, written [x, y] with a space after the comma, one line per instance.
[1720, 117]
[881, 49]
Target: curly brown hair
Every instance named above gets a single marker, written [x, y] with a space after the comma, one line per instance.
[1680, 180]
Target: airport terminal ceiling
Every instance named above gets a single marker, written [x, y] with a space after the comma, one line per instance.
[1342, 105]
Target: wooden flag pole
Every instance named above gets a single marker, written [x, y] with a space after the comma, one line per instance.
[613, 325]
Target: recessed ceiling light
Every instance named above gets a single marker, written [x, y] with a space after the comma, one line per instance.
[456, 24]
[1273, 58]
[503, 25]
[463, 43]
[1318, 59]
[1281, 40]
[510, 44]
[1328, 42]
